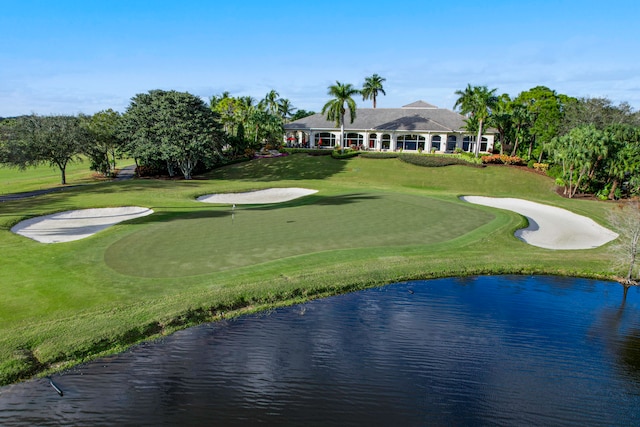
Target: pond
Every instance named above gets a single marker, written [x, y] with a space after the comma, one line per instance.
[490, 350]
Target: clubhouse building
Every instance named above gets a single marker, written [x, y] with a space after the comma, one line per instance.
[418, 126]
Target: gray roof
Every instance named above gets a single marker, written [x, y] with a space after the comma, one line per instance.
[419, 104]
[415, 117]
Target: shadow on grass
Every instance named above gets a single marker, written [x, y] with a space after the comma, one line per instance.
[339, 200]
[15, 205]
[177, 214]
[294, 167]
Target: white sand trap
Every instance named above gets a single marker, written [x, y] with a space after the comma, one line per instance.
[75, 225]
[551, 227]
[270, 195]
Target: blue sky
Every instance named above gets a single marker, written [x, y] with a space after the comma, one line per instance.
[70, 57]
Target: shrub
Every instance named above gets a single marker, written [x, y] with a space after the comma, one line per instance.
[555, 171]
[309, 151]
[542, 167]
[378, 155]
[530, 163]
[603, 194]
[432, 160]
[344, 154]
[502, 159]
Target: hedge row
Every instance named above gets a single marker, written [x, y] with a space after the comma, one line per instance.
[309, 151]
[434, 160]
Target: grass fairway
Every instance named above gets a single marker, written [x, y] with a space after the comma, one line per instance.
[373, 221]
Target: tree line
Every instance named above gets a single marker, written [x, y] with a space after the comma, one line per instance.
[589, 145]
[164, 131]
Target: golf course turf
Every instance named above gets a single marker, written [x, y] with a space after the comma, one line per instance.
[373, 221]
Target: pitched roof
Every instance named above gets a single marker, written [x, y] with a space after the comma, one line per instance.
[418, 116]
[419, 104]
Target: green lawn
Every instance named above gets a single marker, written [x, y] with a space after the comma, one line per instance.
[373, 221]
[14, 180]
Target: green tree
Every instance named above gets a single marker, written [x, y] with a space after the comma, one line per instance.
[546, 109]
[215, 99]
[270, 102]
[265, 128]
[285, 109]
[176, 127]
[577, 152]
[229, 110]
[301, 114]
[336, 108]
[7, 129]
[623, 160]
[478, 102]
[53, 140]
[521, 122]
[502, 120]
[105, 141]
[371, 87]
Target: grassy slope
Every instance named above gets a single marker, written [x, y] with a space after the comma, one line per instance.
[368, 225]
[13, 180]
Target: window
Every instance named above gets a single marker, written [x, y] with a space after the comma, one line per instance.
[452, 141]
[435, 142]
[372, 140]
[353, 140]
[410, 142]
[466, 143]
[386, 141]
[483, 144]
[325, 139]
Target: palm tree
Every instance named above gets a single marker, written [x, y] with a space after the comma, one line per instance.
[372, 85]
[270, 102]
[285, 108]
[502, 119]
[215, 99]
[335, 108]
[477, 101]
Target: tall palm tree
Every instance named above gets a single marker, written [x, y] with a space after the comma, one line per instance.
[502, 119]
[372, 85]
[215, 99]
[270, 102]
[285, 108]
[477, 101]
[335, 108]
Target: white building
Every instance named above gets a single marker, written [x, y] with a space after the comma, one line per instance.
[415, 127]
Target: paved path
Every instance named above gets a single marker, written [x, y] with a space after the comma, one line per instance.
[125, 173]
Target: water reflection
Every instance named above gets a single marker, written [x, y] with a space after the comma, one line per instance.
[468, 351]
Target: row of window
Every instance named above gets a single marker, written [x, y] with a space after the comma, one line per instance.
[405, 142]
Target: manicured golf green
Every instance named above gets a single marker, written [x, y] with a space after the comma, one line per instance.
[212, 240]
[373, 221]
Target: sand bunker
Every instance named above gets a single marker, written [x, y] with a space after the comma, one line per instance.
[75, 225]
[551, 227]
[270, 195]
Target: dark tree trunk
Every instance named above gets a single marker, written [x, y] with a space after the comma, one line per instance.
[614, 187]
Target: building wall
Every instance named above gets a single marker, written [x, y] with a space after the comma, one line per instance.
[445, 142]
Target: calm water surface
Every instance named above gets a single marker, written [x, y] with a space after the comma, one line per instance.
[471, 351]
